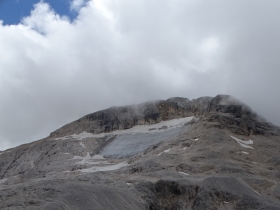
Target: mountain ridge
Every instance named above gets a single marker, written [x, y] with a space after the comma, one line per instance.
[124, 117]
[210, 153]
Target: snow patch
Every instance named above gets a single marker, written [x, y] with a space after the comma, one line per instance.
[159, 127]
[256, 192]
[89, 160]
[165, 151]
[104, 168]
[99, 162]
[32, 164]
[168, 150]
[80, 136]
[62, 138]
[127, 145]
[243, 143]
[246, 153]
[196, 139]
[183, 173]
[97, 157]
[84, 159]
[81, 143]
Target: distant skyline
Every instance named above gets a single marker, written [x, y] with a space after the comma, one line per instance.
[63, 59]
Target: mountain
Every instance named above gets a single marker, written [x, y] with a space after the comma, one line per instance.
[207, 153]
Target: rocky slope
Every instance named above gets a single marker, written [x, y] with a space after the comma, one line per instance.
[208, 153]
[223, 109]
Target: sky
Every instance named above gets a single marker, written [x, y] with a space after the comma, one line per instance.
[63, 59]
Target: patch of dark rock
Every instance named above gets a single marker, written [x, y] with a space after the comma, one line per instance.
[229, 169]
[276, 191]
[275, 161]
[248, 203]
[152, 148]
[210, 199]
[197, 159]
[187, 143]
[194, 169]
[208, 194]
[81, 196]
[147, 166]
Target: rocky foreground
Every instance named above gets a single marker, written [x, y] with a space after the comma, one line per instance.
[208, 153]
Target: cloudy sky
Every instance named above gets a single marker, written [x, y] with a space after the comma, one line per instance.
[62, 59]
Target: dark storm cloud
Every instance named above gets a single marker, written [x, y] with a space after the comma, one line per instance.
[122, 52]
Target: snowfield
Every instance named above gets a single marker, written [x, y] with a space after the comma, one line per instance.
[154, 128]
[243, 143]
[131, 141]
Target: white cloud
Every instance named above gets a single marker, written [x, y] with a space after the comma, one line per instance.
[120, 52]
[76, 5]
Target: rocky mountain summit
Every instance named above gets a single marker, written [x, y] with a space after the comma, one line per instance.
[208, 153]
[223, 109]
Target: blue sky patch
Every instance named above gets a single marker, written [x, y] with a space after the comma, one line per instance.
[12, 11]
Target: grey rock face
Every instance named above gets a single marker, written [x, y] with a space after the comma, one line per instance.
[226, 158]
[209, 193]
[223, 109]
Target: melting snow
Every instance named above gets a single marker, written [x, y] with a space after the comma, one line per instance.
[97, 157]
[183, 173]
[99, 162]
[90, 160]
[159, 127]
[243, 143]
[168, 150]
[246, 153]
[84, 159]
[256, 191]
[80, 136]
[126, 145]
[136, 139]
[196, 139]
[104, 168]
[81, 143]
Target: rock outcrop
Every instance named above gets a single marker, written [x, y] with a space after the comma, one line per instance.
[225, 110]
[207, 153]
